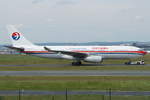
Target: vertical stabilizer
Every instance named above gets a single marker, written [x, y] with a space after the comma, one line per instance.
[17, 38]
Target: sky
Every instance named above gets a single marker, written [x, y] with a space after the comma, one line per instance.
[76, 20]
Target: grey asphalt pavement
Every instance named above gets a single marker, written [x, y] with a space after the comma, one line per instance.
[82, 92]
[63, 65]
[75, 73]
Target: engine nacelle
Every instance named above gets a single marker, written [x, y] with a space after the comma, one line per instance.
[93, 59]
[67, 57]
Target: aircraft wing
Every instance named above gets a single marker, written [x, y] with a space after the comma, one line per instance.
[74, 54]
[15, 48]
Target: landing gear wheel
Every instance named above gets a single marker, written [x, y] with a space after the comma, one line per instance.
[127, 63]
[138, 63]
[76, 63]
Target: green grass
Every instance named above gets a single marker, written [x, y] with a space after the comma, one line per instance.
[76, 97]
[26, 59]
[116, 83]
[119, 83]
[21, 60]
[140, 83]
[46, 68]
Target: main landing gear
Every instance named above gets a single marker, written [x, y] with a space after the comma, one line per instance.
[76, 63]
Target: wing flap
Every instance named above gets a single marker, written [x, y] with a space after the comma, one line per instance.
[15, 48]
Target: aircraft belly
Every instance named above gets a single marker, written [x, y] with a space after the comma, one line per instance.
[48, 55]
[119, 56]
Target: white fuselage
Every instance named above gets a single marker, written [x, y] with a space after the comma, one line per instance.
[93, 54]
[106, 52]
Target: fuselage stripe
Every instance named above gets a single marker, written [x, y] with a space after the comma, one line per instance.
[90, 52]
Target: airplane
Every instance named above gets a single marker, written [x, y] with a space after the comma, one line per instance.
[78, 54]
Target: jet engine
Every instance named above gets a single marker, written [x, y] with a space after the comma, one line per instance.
[93, 59]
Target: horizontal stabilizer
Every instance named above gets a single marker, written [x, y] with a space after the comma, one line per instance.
[15, 48]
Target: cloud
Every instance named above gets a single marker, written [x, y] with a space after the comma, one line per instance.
[37, 1]
[139, 18]
[66, 2]
[50, 20]
[17, 25]
[73, 18]
[59, 2]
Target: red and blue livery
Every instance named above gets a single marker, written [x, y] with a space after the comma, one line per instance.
[15, 36]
